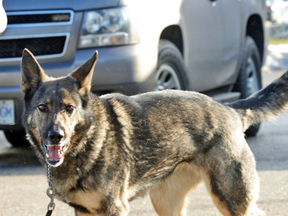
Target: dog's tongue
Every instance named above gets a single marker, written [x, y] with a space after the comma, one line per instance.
[54, 152]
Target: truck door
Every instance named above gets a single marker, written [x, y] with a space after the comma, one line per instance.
[203, 42]
[233, 38]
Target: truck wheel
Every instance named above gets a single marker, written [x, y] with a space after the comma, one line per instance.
[171, 70]
[249, 80]
[17, 138]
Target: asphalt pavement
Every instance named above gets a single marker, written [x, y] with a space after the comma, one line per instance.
[23, 181]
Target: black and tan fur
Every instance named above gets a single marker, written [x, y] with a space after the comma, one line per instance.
[116, 148]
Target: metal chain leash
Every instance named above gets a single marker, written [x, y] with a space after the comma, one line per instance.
[51, 191]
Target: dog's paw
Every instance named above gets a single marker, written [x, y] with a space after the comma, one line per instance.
[256, 212]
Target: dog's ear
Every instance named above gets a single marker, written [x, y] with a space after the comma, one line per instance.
[84, 74]
[32, 73]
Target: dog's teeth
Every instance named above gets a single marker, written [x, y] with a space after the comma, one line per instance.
[47, 155]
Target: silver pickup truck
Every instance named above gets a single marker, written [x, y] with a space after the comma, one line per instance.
[216, 47]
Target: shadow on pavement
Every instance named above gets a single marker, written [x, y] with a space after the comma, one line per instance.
[18, 157]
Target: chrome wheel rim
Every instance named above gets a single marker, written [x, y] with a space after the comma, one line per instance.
[167, 78]
[252, 77]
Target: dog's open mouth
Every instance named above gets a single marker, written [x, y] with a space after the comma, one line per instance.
[54, 154]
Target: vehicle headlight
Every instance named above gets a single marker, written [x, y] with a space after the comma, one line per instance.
[107, 28]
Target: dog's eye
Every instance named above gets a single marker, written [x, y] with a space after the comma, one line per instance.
[69, 108]
[42, 108]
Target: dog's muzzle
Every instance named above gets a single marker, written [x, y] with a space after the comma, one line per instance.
[54, 154]
[55, 148]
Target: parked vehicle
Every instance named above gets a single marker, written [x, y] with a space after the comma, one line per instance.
[277, 11]
[214, 47]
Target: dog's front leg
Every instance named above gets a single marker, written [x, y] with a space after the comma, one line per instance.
[119, 208]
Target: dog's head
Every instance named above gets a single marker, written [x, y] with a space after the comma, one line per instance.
[54, 106]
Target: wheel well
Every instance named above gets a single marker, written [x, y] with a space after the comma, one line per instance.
[174, 34]
[255, 30]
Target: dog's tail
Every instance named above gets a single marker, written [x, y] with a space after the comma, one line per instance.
[265, 105]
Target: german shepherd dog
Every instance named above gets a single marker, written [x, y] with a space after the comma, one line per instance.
[106, 151]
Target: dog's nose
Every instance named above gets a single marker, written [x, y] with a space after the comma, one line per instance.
[55, 136]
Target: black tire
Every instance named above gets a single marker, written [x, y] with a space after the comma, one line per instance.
[17, 138]
[249, 80]
[171, 70]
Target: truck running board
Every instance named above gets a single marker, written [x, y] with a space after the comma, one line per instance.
[226, 97]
